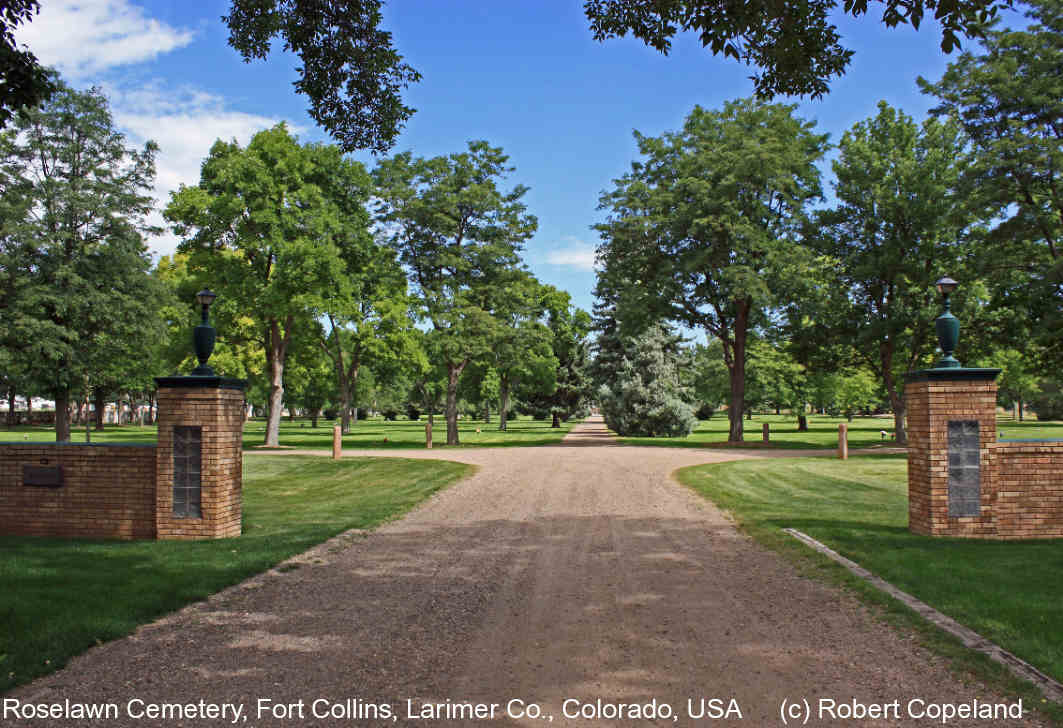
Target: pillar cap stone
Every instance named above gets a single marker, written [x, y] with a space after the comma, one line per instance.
[200, 383]
[953, 374]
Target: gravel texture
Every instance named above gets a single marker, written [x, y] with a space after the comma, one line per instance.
[573, 572]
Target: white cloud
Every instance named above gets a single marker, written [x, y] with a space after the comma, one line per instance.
[576, 254]
[185, 123]
[84, 37]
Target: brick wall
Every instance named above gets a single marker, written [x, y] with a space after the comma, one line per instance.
[1029, 490]
[108, 491]
[218, 411]
[1021, 482]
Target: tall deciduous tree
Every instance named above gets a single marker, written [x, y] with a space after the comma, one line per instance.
[84, 299]
[900, 224]
[569, 329]
[706, 229]
[1009, 100]
[521, 350]
[460, 237]
[368, 320]
[266, 228]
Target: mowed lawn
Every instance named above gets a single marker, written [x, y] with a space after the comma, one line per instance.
[58, 598]
[376, 433]
[822, 432]
[1009, 592]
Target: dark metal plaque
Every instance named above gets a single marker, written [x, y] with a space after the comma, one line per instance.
[187, 458]
[965, 472]
[43, 476]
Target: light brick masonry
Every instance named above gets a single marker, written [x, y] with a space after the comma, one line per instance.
[1021, 490]
[126, 491]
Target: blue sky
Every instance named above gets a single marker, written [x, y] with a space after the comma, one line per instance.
[526, 76]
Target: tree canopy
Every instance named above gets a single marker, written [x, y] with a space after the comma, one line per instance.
[23, 81]
[266, 229]
[794, 44]
[706, 229]
[350, 73]
[74, 201]
[459, 237]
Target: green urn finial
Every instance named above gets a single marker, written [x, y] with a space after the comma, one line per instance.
[948, 327]
[203, 335]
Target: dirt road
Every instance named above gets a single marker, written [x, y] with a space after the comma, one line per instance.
[565, 578]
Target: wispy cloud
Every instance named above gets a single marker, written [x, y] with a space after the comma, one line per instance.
[185, 123]
[82, 38]
[574, 254]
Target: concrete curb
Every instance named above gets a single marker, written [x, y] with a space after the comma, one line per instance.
[1020, 668]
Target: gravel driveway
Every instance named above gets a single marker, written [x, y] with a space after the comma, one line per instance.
[556, 577]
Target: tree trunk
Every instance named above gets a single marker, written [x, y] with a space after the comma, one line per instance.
[849, 416]
[503, 403]
[313, 418]
[487, 412]
[11, 408]
[276, 350]
[99, 404]
[737, 370]
[1020, 409]
[802, 423]
[453, 375]
[897, 403]
[557, 420]
[347, 384]
[62, 415]
[778, 410]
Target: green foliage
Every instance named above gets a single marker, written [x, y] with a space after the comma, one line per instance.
[349, 71]
[569, 328]
[857, 389]
[79, 307]
[899, 225]
[796, 45]
[706, 230]
[1009, 99]
[1017, 381]
[267, 228]
[1047, 400]
[773, 378]
[459, 236]
[644, 397]
[23, 81]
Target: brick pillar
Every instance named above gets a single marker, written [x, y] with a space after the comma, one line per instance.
[952, 484]
[201, 423]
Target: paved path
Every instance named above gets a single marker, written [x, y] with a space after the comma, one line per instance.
[553, 574]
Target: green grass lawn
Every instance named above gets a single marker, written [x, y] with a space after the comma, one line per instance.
[1009, 592]
[376, 433]
[58, 598]
[822, 432]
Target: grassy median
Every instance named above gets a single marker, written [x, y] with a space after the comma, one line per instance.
[1009, 592]
[864, 432]
[376, 433]
[58, 598]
